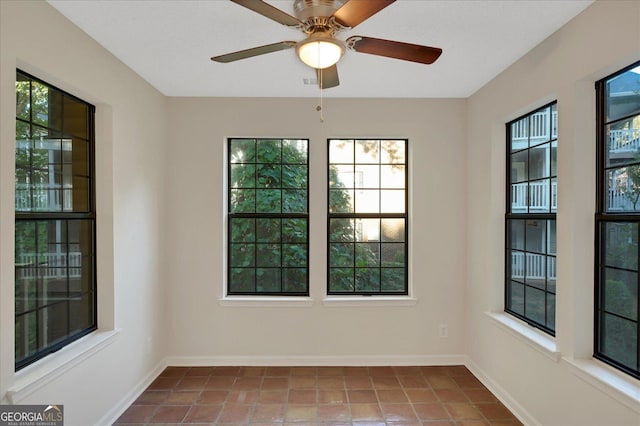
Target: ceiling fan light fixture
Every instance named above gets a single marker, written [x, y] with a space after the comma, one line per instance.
[320, 51]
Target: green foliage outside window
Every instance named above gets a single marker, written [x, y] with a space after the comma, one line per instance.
[268, 224]
[268, 218]
[366, 231]
[632, 191]
[54, 220]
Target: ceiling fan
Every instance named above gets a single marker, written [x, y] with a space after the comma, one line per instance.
[321, 20]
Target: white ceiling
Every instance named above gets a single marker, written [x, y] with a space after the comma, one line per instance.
[169, 43]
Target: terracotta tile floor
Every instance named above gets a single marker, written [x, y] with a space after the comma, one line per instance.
[434, 396]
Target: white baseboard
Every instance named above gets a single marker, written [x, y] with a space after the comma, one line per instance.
[514, 406]
[116, 411]
[316, 361]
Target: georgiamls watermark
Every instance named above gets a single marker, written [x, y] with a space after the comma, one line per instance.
[31, 415]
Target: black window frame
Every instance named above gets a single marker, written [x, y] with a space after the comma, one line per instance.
[548, 217]
[603, 217]
[282, 216]
[381, 216]
[89, 215]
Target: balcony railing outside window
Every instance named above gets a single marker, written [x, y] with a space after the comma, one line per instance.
[532, 266]
[54, 237]
[530, 219]
[624, 140]
[46, 198]
[617, 221]
[535, 196]
[48, 265]
[536, 128]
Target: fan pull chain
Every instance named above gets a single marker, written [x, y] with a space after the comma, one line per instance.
[320, 85]
[320, 107]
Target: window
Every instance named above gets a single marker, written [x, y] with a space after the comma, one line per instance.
[55, 285]
[367, 217]
[268, 234]
[530, 285]
[618, 221]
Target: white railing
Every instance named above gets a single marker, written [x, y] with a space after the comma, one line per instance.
[619, 201]
[43, 198]
[49, 265]
[536, 197]
[624, 140]
[537, 127]
[533, 264]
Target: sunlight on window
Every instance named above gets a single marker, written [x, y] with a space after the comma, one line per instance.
[367, 217]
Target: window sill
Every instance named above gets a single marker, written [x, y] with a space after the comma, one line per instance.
[624, 389]
[263, 301]
[368, 301]
[533, 337]
[38, 374]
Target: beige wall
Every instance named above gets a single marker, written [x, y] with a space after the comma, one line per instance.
[201, 327]
[603, 39]
[130, 145]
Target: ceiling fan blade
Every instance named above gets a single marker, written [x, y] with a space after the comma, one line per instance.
[353, 12]
[328, 77]
[271, 12]
[255, 51]
[394, 49]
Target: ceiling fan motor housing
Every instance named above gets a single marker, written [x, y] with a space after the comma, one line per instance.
[305, 9]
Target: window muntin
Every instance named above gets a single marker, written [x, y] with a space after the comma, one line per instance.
[268, 250]
[617, 332]
[530, 286]
[55, 285]
[367, 217]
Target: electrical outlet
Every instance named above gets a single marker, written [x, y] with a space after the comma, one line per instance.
[443, 330]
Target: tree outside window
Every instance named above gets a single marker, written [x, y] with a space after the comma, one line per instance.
[55, 220]
[268, 217]
[367, 222]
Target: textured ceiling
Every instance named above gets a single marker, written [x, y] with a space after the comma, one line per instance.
[169, 44]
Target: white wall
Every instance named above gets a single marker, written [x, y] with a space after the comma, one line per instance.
[549, 391]
[200, 327]
[130, 146]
